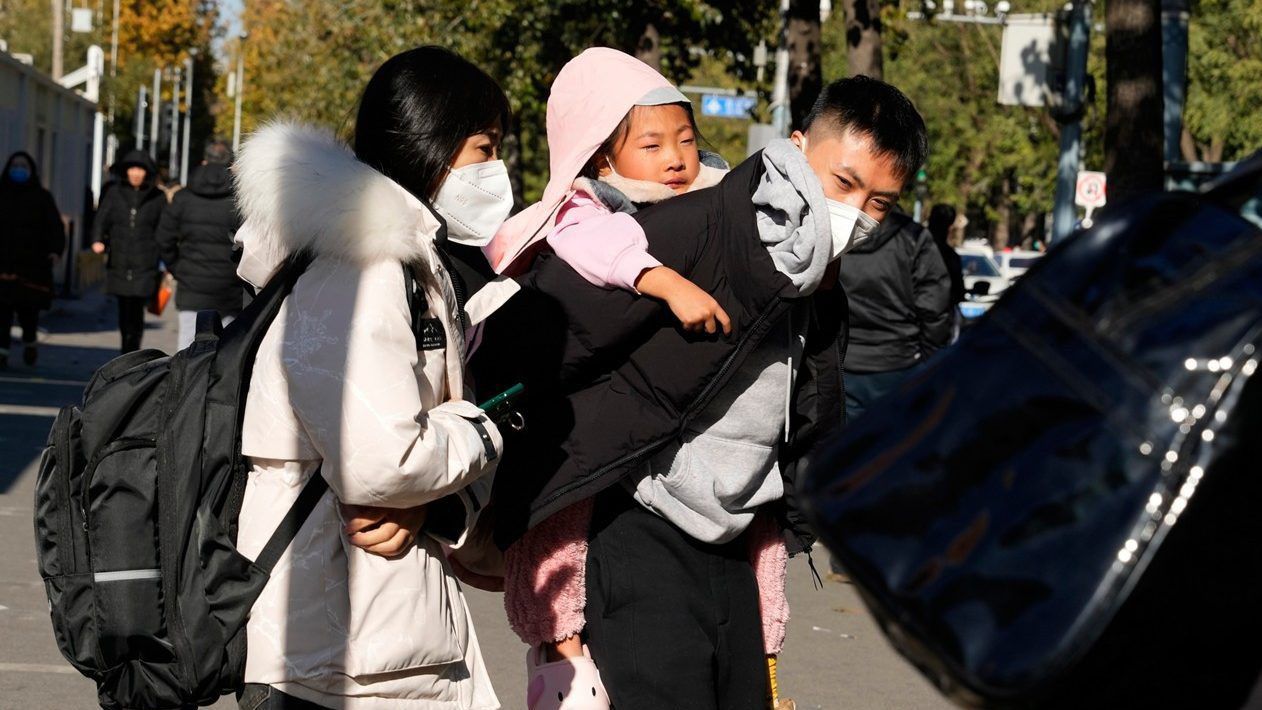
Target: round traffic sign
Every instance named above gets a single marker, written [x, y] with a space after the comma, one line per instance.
[1091, 189]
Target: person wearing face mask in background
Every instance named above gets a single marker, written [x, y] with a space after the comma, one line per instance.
[899, 291]
[125, 229]
[32, 237]
[684, 441]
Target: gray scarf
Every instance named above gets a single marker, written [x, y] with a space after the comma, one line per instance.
[793, 216]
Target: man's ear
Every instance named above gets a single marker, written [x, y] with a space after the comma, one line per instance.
[799, 139]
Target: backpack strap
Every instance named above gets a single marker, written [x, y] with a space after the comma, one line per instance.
[209, 326]
[429, 332]
[289, 526]
[417, 301]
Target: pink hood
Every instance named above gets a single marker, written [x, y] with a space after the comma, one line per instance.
[591, 95]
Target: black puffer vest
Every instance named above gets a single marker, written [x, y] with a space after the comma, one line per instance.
[612, 378]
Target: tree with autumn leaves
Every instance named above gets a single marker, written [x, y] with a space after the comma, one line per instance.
[310, 59]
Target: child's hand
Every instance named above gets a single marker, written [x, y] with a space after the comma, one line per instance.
[696, 310]
[388, 532]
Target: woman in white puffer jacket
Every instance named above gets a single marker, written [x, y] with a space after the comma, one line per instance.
[363, 611]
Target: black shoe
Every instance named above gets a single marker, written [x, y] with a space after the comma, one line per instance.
[30, 355]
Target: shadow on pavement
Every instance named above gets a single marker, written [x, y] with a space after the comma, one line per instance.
[31, 396]
[22, 439]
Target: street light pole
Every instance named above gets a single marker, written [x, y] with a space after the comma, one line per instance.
[155, 112]
[141, 106]
[188, 114]
[240, 89]
[174, 157]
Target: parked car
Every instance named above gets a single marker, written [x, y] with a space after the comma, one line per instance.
[984, 280]
[1015, 262]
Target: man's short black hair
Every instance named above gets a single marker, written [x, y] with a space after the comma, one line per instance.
[872, 108]
[217, 151]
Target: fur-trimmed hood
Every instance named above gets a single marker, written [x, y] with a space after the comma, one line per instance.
[299, 187]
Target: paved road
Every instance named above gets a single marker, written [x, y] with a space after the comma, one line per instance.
[834, 658]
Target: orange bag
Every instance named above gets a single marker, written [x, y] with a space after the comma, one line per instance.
[166, 287]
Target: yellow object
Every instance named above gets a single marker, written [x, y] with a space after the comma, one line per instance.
[773, 684]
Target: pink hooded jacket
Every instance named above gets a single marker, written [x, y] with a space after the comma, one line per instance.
[591, 95]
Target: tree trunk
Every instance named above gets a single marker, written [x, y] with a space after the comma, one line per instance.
[1002, 234]
[863, 38]
[1187, 146]
[1029, 224]
[649, 48]
[805, 76]
[1133, 136]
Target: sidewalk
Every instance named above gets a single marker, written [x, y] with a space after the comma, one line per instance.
[834, 657]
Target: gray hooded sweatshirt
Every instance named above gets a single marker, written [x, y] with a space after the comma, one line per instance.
[712, 483]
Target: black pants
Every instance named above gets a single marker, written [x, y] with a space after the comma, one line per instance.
[131, 320]
[28, 318]
[671, 622]
[863, 389]
[257, 696]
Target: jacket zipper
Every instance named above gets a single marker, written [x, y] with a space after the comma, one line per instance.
[700, 403]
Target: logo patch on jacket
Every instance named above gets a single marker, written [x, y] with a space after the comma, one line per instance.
[430, 334]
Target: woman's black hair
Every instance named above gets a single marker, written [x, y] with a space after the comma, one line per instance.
[4, 173]
[417, 110]
[619, 136]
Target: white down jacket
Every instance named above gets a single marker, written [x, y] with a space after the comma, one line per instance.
[340, 386]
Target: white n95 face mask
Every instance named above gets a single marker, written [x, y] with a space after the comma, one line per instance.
[475, 200]
[851, 226]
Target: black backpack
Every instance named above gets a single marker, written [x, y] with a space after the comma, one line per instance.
[1061, 510]
[136, 508]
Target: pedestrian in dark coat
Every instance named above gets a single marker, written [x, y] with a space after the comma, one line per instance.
[941, 217]
[126, 227]
[32, 236]
[195, 241]
[900, 308]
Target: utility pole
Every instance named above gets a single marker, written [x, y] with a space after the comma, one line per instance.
[174, 157]
[188, 114]
[59, 36]
[240, 89]
[1064, 214]
[154, 113]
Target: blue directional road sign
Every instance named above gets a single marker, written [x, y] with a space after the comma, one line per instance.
[727, 106]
